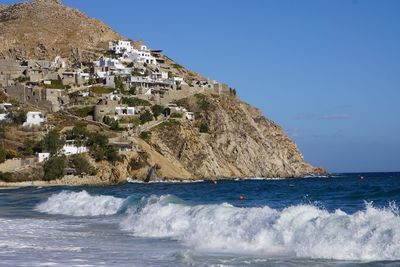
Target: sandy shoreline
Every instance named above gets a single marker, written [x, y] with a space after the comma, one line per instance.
[65, 181]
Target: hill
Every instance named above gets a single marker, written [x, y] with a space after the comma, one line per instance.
[43, 29]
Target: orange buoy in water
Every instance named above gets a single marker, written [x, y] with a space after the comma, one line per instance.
[241, 197]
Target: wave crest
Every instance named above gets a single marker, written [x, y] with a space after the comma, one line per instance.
[302, 231]
[80, 204]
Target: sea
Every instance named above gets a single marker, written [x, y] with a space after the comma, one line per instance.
[342, 220]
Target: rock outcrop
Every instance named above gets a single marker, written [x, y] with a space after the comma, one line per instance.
[43, 29]
[240, 142]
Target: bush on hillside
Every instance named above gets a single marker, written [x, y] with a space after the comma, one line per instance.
[54, 168]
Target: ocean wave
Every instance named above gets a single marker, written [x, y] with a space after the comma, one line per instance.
[300, 231]
[80, 204]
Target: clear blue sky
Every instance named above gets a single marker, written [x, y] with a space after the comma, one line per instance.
[327, 71]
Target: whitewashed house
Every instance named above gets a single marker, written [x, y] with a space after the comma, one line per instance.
[121, 46]
[4, 110]
[189, 116]
[163, 75]
[41, 157]
[142, 55]
[34, 118]
[129, 111]
[70, 148]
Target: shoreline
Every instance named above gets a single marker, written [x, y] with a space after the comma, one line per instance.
[72, 181]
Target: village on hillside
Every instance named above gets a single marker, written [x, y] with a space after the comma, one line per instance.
[54, 108]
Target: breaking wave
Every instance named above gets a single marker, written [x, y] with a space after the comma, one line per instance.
[300, 231]
[80, 204]
[306, 231]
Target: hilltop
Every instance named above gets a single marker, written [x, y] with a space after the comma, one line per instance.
[44, 29]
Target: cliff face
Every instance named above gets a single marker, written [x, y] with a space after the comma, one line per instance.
[240, 142]
[43, 29]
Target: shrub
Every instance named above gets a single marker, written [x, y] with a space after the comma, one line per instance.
[145, 117]
[176, 115]
[11, 154]
[157, 110]
[22, 79]
[52, 142]
[99, 90]
[145, 136]
[119, 82]
[54, 168]
[3, 154]
[6, 177]
[18, 117]
[55, 84]
[202, 102]
[113, 123]
[81, 165]
[134, 102]
[203, 127]
[168, 123]
[83, 112]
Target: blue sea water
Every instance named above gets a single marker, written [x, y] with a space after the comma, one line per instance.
[342, 220]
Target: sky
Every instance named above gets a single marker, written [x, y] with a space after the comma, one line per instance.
[327, 71]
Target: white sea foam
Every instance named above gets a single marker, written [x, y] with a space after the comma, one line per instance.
[301, 231]
[80, 204]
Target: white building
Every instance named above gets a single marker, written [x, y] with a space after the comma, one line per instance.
[163, 75]
[119, 47]
[70, 148]
[43, 156]
[113, 66]
[189, 116]
[34, 118]
[142, 55]
[58, 63]
[129, 111]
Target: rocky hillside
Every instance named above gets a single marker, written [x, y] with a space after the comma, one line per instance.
[237, 141]
[43, 29]
[229, 139]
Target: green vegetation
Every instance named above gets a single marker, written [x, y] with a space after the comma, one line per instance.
[3, 154]
[113, 123]
[54, 168]
[145, 117]
[168, 123]
[232, 91]
[183, 103]
[145, 136]
[136, 72]
[52, 142]
[119, 82]
[6, 177]
[55, 84]
[177, 66]
[99, 90]
[81, 165]
[22, 79]
[157, 110]
[83, 112]
[134, 102]
[18, 117]
[202, 102]
[176, 115]
[203, 128]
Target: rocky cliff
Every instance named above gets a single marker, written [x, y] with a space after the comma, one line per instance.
[229, 139]
[43, 29]
[237, 141]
